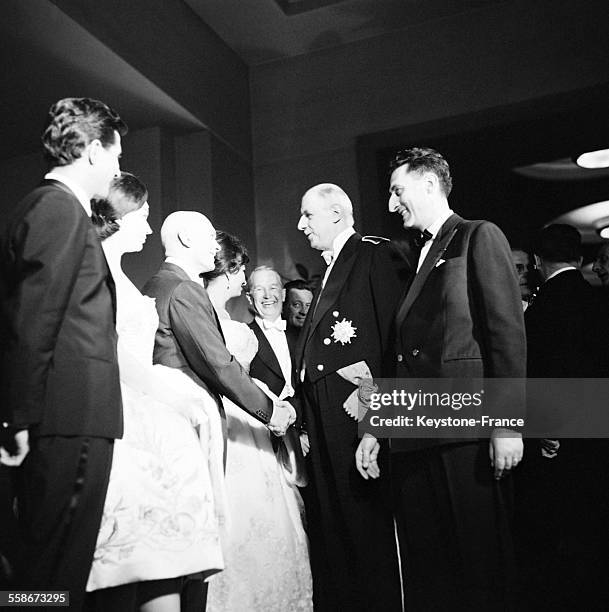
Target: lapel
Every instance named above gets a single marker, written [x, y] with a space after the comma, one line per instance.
[335, 282]
[439, 245]
[175, 270]
[265, 350]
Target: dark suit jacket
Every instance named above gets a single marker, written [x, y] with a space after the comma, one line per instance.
[363, 289]
[566, 326]
[59, 371]
[265, 365]
[189, 338]
[461, 318]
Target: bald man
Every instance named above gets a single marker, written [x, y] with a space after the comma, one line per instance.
[353, 554]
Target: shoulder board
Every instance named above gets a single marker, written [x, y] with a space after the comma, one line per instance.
[375, 239]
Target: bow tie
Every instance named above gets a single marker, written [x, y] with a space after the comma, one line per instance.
[328, 256]
[424, 237]
[278, 324]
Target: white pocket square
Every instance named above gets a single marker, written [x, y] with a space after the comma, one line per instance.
[439, 262]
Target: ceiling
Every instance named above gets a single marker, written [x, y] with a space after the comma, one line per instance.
[47, 56]
[262, 31]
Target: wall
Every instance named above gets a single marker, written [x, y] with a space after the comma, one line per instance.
[307, 111]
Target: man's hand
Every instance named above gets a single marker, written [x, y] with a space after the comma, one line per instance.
[14, 450]
[366, 456]
[283, 416]
[549, 448]
[505, 450]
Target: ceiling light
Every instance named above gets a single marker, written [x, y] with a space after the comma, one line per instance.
[594, 159]
[603, 232]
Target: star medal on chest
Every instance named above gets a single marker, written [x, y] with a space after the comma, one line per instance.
[343, 332]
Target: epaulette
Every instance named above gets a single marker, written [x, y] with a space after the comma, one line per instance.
[375, 239]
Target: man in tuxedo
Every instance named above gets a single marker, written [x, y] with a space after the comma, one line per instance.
[344, 340]
[566, 327]
[461, 317]
[59, 371]
[189, 336]
[273, 361]
[601, 264]
[298, 298]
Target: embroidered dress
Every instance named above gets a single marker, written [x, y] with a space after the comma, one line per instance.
[164, 503]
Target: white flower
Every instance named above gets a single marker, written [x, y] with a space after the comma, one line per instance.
[343, 331]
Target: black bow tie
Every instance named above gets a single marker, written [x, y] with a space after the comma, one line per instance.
[423, 237]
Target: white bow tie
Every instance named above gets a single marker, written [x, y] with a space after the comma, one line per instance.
[328, 256]
[278, 324]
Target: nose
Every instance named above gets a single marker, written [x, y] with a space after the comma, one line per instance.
[302, 223]
[216, 248]
[148, 229]
[394, 202]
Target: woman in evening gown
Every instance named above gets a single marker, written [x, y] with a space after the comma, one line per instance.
[164, 506]
[267, 560]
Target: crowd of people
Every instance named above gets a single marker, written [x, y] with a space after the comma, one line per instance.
[165, 457]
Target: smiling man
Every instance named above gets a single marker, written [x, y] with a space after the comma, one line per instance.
[460, 318]
[345, 337]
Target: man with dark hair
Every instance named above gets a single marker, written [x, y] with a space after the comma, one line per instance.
[59, 374]
[601, 264]
[460, 318]
[566, 327]
[298, 298]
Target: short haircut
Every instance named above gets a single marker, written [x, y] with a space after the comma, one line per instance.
[559, 243]
[127, 193]
[73, 123]
[231, 256]
[298, 284]
[332, 194]
[263, 269]
[422, 160]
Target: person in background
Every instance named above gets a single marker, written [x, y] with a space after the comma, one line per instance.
[601, 264]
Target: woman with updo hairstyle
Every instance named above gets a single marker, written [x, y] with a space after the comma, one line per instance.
[126, 194]
[230, 259]
[159, 537]
[266, 528]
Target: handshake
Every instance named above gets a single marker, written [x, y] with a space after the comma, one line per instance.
[283, 416]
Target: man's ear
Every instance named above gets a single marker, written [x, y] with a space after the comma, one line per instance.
[337, 212]
[249, 298]
[184, 239]
[93, 150]
[282, 296]
[431, 182]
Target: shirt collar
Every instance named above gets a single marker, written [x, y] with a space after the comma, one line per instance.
[559, 271]
[436, 226]
[264, 324]
[74, 187]
[339, 242]
[192, 274]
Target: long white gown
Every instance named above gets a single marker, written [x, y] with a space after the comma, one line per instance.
[164, 507]
[267, 559]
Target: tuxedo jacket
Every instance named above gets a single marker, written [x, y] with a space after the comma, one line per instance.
[265, 365]
[361, 295]
[58, 369]
[461, 317]
[567, 330]
[189, 338]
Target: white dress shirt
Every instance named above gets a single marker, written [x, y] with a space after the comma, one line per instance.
[275, 334]
[433, 229]
[559, 271]
[337, 244]
[75, 188]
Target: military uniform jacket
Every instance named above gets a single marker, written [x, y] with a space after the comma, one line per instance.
[351, 320]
